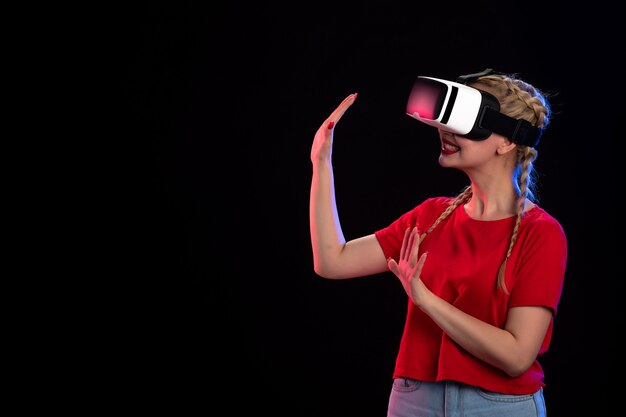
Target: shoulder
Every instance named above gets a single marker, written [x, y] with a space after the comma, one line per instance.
[539, 220]
[436, 203]
[542, 231]
[423, 213]
[429, 205]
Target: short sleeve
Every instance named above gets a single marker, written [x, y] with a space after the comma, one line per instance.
[423, 215]
[540, 276]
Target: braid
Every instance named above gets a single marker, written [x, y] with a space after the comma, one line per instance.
[525, 156]
[519, 100]
[533, 100]
[517, 97]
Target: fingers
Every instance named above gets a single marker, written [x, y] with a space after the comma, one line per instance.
[340, 110]
[410, 244]
[405, 243]
[415, 246]
[420, 264]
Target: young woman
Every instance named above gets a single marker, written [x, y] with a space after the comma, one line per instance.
[483, 270]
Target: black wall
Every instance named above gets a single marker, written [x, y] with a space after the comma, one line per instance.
[218, 107]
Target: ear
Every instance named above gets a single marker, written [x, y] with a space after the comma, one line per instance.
[505, 146]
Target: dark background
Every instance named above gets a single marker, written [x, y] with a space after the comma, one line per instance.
[217, 108]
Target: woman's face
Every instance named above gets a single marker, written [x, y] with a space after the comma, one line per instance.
[466, 154]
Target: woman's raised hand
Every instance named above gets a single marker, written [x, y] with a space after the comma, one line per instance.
[323, 142]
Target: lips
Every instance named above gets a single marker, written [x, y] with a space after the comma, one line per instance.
[448, 148]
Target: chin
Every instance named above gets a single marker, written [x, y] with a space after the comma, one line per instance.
[444, 162]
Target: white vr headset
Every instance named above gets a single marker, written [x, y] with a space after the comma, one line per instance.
[469, 112]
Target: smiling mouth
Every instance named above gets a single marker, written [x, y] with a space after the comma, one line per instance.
[448, 148]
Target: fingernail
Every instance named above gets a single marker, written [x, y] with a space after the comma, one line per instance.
[355, 94]
[330, 125]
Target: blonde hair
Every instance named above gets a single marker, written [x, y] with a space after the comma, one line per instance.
[519, 100]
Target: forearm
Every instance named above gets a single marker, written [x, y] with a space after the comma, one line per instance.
[493, 345]
[327, 238]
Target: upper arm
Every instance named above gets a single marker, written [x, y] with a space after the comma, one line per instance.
[359, 257]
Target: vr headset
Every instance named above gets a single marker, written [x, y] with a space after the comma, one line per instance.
[469, 112]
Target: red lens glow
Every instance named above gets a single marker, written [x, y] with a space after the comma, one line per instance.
[426, 99]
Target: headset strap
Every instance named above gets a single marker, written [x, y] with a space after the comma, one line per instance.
[468, 78]
[518, 130]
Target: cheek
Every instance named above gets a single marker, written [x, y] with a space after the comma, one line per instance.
[478, 153]
[487, 146]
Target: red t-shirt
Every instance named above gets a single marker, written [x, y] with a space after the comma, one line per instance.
[464, 256]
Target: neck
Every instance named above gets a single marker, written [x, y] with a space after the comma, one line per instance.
[494, 203]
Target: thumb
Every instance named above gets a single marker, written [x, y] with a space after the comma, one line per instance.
[393, 266]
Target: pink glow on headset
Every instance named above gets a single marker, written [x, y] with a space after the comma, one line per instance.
[423, 101]
[422, 106]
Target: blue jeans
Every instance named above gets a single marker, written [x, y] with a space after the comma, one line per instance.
[411, 398]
